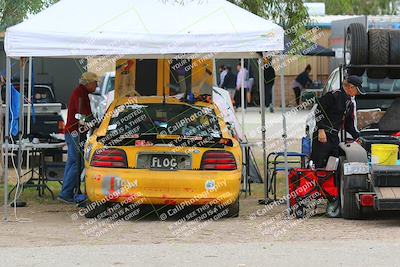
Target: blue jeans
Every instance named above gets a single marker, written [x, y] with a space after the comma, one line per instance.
[71, 172]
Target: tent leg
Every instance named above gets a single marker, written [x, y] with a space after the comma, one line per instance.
[28, 116]
[263, 130]
[215, 74]
[244, 160]
[284, 134]
[21, 114]
[242, 95]
[7, 135]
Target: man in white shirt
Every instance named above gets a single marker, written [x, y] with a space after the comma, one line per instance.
[243, 77]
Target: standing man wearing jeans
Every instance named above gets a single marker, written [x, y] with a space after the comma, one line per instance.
[78, 103]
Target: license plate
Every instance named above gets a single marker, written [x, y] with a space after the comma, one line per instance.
[352, 168]
[164, 162]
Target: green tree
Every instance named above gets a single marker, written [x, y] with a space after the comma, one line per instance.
[290, 14]
[15, 11]
[361, 7]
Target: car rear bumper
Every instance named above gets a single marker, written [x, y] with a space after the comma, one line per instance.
[192, 187]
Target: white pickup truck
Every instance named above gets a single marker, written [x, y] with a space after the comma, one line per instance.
[103, 96]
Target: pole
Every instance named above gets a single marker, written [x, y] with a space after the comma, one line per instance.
[242, 93]
[21, 113]
[7, 136]
[28, 116]
[263, 130]
[215, 73]
[284, 134]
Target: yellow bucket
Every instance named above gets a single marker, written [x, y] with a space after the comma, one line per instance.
[384, 154]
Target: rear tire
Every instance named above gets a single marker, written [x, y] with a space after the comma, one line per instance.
[357, 47]
[394, 58]
[348, 204]
[378, 52]
[233, 209]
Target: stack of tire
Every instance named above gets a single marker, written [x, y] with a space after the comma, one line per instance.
[375, 47]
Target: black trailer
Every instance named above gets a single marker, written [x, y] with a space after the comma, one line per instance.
[363, 185]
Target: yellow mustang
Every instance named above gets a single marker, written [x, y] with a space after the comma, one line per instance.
[161, 151]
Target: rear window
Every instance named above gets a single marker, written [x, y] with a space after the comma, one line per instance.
[166, 119]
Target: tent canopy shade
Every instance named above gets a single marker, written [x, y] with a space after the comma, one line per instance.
[76, 28]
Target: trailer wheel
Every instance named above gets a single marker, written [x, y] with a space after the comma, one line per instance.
[394, 59]
[348, 204]
[356, 47]
[378, 52]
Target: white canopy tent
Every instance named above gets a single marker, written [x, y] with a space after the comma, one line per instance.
[142, 29]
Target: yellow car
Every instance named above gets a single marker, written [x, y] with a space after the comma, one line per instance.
[162, 151]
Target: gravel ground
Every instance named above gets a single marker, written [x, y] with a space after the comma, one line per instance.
[56, 235]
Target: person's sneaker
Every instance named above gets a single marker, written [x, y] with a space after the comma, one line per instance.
[66, 201]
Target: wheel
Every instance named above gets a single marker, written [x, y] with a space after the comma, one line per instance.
[94, 210]
[300, 212]
[394, 55]
[348, 205]
[356, 47]
[233, 209]
[333, 209]
[378, 52]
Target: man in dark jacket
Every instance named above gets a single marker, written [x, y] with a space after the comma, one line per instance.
[269, 80]
[79, 103]
[301, 81]
[229, 83]
[335, 111]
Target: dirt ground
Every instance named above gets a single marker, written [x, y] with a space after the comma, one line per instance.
[46, 230]
[59, 224]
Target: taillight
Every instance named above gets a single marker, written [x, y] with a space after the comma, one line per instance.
[216, 160]
[367, 200]
[109, 158]
[61, 126]
[396, 134]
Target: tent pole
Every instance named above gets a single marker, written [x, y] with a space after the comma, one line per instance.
[242, 96]
[244, 160]
[284, 134]
[7, 135]
[215, 73]
[28, 116]
[21, 113]
[263, 130]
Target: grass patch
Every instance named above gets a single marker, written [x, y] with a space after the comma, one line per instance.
[32, 194]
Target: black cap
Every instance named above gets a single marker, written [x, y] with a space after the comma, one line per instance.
[357, 82]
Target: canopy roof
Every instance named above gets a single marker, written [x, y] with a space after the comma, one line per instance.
[77, 28]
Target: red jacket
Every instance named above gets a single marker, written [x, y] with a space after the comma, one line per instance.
[79, 93]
